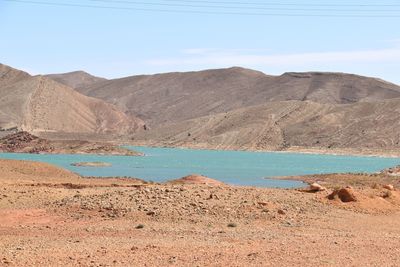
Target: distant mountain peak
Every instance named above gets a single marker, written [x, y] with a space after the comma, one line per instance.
[76, 79]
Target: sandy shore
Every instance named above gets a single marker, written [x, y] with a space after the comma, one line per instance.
[52, 217]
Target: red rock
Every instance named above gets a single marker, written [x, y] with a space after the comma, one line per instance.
[389, 187]
[281, 212]
[344, 194]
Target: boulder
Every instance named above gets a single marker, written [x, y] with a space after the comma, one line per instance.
[344, 194]
[315, 187]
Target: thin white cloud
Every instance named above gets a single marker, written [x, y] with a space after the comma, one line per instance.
[214, 51]
[212, 57]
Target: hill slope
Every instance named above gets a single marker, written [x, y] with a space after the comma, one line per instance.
[182, 96]
[286, 124]
[38, 104]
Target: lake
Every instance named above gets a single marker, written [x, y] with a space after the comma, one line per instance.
[232, 167]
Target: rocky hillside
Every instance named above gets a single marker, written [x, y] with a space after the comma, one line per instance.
[239, 108]
[188, 95]
[39, 104]
[286, 124]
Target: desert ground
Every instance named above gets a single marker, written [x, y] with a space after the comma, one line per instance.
[52, 217]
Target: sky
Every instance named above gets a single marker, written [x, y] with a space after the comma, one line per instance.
[122, 38]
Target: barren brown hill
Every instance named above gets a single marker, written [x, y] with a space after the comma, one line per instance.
[75, 79]
[174, 97]
[10, 75]
[38, 104]
[287, 124]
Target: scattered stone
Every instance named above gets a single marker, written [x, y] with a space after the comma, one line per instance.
[232, 225]
[394, 171]
[281, 212]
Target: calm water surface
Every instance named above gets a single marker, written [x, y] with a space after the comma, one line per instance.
[233, 167]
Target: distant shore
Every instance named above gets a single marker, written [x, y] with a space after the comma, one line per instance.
[382, 153]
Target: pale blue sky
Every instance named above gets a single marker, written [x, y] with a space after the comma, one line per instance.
[120, 42]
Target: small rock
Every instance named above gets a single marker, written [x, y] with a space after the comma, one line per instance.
[140, 226]
[389, 187]
[315, 187]
[281, 212]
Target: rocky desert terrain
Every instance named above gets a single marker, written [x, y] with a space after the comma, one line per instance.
[24, 142]
[52, 217]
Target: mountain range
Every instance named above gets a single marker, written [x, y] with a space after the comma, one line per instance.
[233, 108]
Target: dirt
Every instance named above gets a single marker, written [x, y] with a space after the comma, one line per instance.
[197, 179]
[52, 217]
[362, 180]
[24, 142]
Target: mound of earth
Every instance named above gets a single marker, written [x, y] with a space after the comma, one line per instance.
[197, 179]
[24, 142]
[32, 173]
[17, 171]
[375, 200]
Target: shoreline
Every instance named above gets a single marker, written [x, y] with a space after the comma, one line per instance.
[299, 150]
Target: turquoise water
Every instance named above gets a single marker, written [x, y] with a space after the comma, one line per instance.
[233, 167]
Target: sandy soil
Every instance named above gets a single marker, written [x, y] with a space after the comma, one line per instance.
[52, 217]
